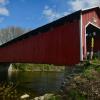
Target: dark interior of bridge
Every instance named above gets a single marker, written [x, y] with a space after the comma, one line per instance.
[93, 31]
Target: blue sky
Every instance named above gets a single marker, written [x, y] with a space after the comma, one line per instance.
[35, 13]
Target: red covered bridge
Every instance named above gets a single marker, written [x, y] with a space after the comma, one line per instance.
[62, 42]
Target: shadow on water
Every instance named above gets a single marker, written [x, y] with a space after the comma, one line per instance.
[3, 76]
[4, 71]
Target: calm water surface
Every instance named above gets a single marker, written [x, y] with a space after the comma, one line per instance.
[38, 82]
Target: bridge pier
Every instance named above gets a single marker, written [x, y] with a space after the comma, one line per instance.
[4, 71]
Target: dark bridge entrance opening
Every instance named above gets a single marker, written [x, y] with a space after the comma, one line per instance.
[92, 38]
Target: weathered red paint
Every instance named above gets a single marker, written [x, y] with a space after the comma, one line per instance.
[58, 46]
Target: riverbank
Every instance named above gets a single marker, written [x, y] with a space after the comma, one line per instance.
[84, 84]
[81, 83]
[35, 67]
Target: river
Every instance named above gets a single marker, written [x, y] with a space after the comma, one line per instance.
[38, 83]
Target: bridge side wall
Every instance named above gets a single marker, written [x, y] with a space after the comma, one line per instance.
[59, 46]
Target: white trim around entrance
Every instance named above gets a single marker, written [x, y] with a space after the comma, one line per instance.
[89, 23]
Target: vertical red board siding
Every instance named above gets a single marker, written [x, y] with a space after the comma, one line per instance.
[88, 16]
[60, 46]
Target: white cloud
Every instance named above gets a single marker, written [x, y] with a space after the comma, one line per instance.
[51, 14]
[81, 4]
[4, 11]
[4, 2]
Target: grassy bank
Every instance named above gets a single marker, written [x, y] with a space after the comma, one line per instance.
[86, 85]
[36, 67]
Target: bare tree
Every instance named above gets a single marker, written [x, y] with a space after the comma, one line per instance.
[10, 33]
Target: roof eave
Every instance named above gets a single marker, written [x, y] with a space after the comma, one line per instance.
[90, 8]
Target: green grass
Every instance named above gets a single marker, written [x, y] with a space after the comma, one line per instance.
[36, 67]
